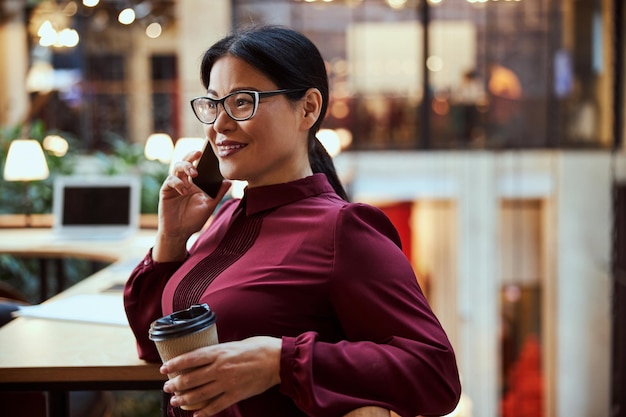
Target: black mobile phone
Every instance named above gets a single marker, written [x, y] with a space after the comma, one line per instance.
[209, 177]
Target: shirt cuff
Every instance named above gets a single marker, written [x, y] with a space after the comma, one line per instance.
[148, 264]
[287, 359]
[296, 363]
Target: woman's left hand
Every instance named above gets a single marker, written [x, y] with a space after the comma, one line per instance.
[224, 374]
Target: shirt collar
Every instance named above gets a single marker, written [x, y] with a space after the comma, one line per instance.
[267, 197]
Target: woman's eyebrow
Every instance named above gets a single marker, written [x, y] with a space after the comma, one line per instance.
[234, 90]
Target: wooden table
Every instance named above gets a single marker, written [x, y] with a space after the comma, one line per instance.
[61, 356]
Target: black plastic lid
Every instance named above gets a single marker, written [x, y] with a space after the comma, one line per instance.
[182, 323]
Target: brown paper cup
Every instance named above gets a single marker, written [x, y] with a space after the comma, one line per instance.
[184, 331]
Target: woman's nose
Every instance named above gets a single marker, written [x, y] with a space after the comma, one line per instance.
[223, 121]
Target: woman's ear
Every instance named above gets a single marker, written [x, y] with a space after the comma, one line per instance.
[311, 107]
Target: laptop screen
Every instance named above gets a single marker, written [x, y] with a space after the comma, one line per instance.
[107, 205]
[96, 206]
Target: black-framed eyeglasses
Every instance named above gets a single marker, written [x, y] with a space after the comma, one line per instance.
[239, 105]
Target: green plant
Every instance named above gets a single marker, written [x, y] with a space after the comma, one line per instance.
[136, 403]
[129, 158]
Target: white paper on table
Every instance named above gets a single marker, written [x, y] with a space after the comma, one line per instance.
[91, 308]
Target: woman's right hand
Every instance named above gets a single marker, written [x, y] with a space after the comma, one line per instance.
[368, 412]
[183, 210]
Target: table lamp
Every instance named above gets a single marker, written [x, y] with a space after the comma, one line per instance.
[26, 162]
[159, 146]
[183, 146]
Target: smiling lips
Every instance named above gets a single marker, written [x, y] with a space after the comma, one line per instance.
[228, 148]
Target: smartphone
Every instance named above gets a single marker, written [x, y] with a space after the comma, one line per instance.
[209, 177]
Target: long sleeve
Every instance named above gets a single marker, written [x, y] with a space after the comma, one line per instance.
[142, 301]
[396, 354]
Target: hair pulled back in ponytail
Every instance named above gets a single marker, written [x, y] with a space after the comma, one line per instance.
[322, 162]
[291, 61]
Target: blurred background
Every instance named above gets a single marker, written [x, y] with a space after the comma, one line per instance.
[490, 131]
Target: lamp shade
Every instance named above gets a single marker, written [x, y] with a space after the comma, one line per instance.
[56, 145]
[183, 146]
[330, 140]
[25, 161]
[159, 146]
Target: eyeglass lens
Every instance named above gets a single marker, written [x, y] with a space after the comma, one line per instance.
[239, 106]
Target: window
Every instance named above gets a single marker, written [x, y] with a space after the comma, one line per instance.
[165, 95]
[495, 74]
[106, 104]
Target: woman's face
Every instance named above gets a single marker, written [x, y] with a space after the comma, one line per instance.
[269, 148]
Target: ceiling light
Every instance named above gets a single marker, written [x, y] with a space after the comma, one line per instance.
[126, 16]
[154, 30]
[68, 38]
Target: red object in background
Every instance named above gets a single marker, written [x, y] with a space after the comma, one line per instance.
[400, 216]
[525, 395]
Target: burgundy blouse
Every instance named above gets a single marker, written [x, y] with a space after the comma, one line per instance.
[295, 261]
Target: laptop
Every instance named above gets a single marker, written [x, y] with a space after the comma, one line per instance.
[96, 206]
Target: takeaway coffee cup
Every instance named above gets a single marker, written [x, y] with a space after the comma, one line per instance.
[183, 331]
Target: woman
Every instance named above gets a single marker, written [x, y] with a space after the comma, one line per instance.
[319, 312]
